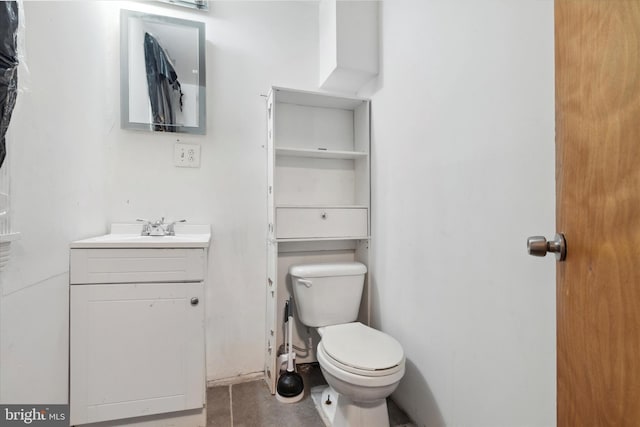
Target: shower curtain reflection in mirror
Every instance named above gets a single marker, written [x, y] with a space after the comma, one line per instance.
[165, 92]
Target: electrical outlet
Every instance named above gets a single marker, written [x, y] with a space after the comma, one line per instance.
[186, 155]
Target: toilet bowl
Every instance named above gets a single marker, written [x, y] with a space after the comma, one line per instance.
[361, 365]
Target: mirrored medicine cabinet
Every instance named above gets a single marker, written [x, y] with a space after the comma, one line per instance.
[162, 73]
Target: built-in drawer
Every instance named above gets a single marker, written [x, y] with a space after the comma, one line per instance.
[136, 265]
[302, 222]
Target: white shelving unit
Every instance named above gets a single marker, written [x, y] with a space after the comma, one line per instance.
[318, 166]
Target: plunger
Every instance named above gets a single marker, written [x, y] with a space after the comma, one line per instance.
[290, 388]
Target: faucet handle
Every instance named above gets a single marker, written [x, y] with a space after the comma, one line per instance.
[171, 227]
[146, 225]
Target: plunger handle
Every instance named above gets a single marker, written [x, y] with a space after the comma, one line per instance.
[289, 314]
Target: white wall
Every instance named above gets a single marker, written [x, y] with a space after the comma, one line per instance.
[463, 172]
[75, 171]
[462, 164]
[251, 45]
[58, 193]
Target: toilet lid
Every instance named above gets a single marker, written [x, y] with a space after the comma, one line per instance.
[362, 347]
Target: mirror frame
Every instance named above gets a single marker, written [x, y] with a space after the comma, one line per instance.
[125, 122]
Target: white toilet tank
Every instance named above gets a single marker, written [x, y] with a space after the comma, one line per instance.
[327, 294]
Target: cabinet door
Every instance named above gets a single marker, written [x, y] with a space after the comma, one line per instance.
[136, 349]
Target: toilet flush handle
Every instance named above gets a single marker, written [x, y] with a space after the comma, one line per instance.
[305, 282]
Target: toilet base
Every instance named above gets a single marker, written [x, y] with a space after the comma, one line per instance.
[343, 412]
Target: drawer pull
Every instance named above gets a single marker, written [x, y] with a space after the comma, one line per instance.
[323, 215]
[194, 301]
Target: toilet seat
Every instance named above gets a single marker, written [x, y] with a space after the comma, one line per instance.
[361, 350]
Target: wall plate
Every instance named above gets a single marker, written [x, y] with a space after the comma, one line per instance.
[186, 155]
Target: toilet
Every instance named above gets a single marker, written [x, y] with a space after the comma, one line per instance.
[362, 365]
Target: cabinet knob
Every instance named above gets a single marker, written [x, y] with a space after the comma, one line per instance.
[323, 215]
[194, 301]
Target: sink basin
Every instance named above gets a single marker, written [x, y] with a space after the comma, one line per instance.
[128, 236]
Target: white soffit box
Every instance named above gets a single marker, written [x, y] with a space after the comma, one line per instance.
[348, 44]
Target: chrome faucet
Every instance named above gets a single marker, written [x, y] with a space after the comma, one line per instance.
[158, 227]
[170, 230]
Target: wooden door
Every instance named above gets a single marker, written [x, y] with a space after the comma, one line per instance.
[598, 209]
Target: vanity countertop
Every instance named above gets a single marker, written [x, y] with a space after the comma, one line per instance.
[128, 236]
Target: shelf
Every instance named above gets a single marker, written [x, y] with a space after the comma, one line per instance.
[9, 237]
[321, 239]
[320, 154]
[315, 99]
[320, 206]
[5, 248]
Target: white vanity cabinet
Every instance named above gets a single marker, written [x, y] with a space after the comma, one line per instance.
[318, 162]
[137, 343]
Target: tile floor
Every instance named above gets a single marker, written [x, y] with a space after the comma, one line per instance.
[250, 404]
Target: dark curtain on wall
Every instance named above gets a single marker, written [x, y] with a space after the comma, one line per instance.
[8, 68]
[165, 92]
